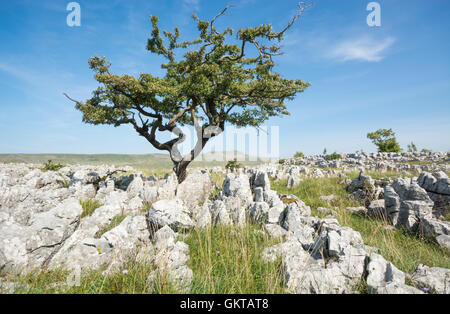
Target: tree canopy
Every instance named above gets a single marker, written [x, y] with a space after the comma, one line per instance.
[218, 80]
[385, 140]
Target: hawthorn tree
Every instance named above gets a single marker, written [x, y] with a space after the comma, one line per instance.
[385, 140]
[218, 80]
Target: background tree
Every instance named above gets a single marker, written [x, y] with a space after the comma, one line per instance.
[217, 81]
[299, 155]
[412, 148]
[385, 140]
[233, 165]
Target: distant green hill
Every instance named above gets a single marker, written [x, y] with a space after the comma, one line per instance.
[150, 161]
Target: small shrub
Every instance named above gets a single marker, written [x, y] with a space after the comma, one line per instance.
[281, 161]
[334, 156]
[412, 148]
[299, 155]
[233, 165]
[50, 166]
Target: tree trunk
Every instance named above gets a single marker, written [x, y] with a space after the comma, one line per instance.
[180, 170]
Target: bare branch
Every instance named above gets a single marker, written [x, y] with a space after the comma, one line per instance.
[217, 16]
[73, 100]
[302, 7]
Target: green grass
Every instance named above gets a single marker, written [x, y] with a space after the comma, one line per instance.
[223, 260]
[422, 163]
[226, 260]
[310, 190]
[387, 174]
[135, 281]
[89, 206]
[404, 250]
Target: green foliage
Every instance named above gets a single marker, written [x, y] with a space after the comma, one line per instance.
[412, 148]
[146, 207]
[50, 166]
[385, 140]
[324, 151]
[233, 165]
[65, 183]
[281, 161]
[334, 156]
[299, 155]
[215, 81]
[426, 150]
[89, 206]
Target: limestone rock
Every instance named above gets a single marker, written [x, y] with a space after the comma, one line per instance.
[382, 273]
[434, 278]
[170, 213]
[195, 189]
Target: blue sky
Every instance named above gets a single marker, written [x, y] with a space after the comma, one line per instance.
[363, 78]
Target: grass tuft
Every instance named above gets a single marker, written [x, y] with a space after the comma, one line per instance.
[117, 220]
[89, 206]
[227, 260]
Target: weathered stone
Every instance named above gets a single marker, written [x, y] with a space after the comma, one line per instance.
[237, 186]
[170, 213]
[259, 194]
[293, 181]
[292, 222]
[24, 248]
[259, 213]
[328, 198]
[398, 288]
[434, 278]
[275, 230]
[444, 241]
[202, 215]
[170, 260]
[195, 189]
[382, 273]
[431, 227]
[377, 209]
[357, 210]
[220, 214]
[261, 179]
[407, 204]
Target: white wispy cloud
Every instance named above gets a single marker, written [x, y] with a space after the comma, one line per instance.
[361, 49]
[195, 4]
